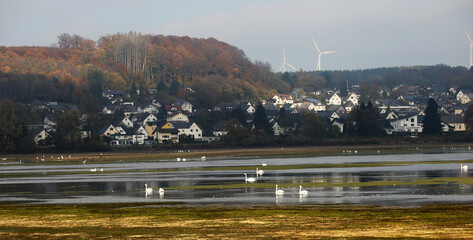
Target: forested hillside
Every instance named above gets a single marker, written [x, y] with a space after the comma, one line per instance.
[125, 61]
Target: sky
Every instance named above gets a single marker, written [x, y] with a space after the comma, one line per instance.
[365, 33]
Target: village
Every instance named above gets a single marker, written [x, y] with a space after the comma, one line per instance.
[152, 122]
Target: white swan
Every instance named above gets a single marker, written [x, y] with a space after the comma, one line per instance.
[148, 191]
[302, 192]
[249, 180]
[463, 167]
[178, 159]
[184, 159]
[264, 164]
[203, 158]
[279, 192]
[93, 170]
[259, 172]
[161, 191]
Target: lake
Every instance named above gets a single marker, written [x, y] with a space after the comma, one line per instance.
[404, 180]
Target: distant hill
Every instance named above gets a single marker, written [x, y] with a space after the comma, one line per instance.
[77, 68]
[124, 61]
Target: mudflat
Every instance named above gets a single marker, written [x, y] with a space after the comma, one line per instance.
[150, 221]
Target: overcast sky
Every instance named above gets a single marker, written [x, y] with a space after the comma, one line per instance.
[366, 33]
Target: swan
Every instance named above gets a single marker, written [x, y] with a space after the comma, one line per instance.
[259, 172]
[463, 167]
[178, 159]
[161, 191]
[249, 180]
[184, 159]
[203, 158]
[93, 170]
[279, 192]
[101, 169]
[302, 192]
[264, 164]
[148, 191]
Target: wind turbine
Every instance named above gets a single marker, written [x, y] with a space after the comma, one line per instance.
[320, 53]
[471, 48]
[284, 63]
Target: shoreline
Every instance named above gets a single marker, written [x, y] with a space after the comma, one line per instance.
[230, 153]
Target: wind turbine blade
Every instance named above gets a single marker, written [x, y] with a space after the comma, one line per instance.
[317, 47]
[284, 55]
[328, 52]
[281, 68]
[468, 36]
[292, 66]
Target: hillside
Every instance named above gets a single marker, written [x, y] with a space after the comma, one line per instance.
[125, 61]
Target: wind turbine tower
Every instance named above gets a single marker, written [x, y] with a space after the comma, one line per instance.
[320, 53]
[284, 63]
[471, 48]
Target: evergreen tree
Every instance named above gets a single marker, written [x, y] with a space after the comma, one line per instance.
[260, 120]
[174, 88]
[96, 80]
[431, 123]
[366, 119]
[312, 126]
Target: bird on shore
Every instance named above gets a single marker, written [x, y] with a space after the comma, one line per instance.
[161, 191]
[148, 191]
[249, 180]
[264, 164]
[203, 158]
[279, 192]
[178, 159]
[302, 192]
[93, 170]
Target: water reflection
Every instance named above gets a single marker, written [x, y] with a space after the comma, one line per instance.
[125, 182]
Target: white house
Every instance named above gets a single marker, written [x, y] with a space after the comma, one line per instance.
[125, 121]
[178, 117]
[281, 99]
[410, 123]
[148, 108]
[189, 129]
[185, 105]
[334, 99]
[353, 97]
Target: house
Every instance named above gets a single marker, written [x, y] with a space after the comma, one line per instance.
[128, 109]
[41, 137]
[50, 121]
[407, 123]
[143, 118]
[125, 122]
[185, 105]
[334, 99]
[466, 98]
[188, 129]
[150, 127]
[306, 106]
[225, 107]
[173, 109]
[281, 99]
[455, 121]
[108, 130]
[167, 135]
[219, 130]
[247, 107]
[148, 108]
[177, 117]
[109, 109]
[113, 94]
[120, 130]
[460, 94]
[352, 97]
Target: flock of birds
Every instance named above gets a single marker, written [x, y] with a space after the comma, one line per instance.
[278, 192]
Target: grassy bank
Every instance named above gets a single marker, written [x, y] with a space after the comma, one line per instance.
[141, 221]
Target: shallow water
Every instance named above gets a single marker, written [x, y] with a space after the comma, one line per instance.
[191, 183]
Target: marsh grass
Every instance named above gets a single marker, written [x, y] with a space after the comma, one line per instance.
[144, 221]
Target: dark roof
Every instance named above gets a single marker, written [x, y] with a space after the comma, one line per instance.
[452, 119]
[168, 130]
[181, 125]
